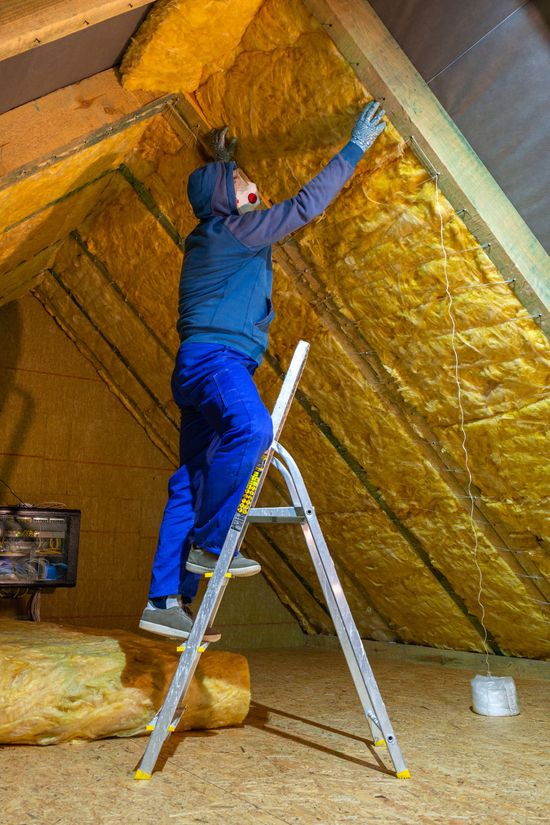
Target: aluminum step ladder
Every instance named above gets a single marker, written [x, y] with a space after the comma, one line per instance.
[302, 512]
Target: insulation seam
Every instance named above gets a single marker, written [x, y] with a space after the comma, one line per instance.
[147, 111]
[148, 200]
[308, 626]
[157, 439]
[103, 270]
[114, 349]
[64, 197]
[284, 558]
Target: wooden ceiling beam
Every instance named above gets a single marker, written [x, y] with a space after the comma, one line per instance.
[387, 73]
[26, 24]
[38, 129]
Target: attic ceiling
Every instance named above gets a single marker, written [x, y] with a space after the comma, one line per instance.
[95, 226]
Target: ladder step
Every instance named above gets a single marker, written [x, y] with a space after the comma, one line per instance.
[277, 515]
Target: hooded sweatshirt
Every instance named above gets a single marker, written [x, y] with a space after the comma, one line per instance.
[226, 277]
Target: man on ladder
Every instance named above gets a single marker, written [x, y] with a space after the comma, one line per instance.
[224, 314]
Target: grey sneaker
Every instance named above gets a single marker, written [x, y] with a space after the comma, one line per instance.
[201, 561]
[175, 622]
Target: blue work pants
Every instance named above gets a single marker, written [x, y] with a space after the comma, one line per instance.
[225, 428]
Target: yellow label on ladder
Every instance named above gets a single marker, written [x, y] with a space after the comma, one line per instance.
[250, 489]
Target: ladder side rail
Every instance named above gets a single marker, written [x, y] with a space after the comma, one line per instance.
[288, 390]
[337, 619]
[350, 640]
[344, 637]
[289, 481]
[163, 719]
[335, 596]
[182, 677]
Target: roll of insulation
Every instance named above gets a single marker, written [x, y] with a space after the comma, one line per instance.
[494, 696]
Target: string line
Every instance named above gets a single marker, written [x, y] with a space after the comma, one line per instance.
[462, 421]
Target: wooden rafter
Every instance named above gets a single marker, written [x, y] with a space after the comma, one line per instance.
[66, 120]
[387, 73]
[26, 24]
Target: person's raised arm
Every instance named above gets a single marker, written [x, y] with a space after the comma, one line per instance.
[266, 227]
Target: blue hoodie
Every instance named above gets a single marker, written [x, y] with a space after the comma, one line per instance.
[225, 286]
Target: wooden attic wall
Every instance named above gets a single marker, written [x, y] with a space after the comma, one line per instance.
[365, 428]
[67, 439]
[65, 436]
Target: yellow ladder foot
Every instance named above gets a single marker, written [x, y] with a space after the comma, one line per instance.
[181, 648]
[403, 774]
[142, 775]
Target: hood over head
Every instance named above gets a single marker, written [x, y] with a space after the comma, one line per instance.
[211, 190]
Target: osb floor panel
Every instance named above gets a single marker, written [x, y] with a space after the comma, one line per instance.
[309, 766]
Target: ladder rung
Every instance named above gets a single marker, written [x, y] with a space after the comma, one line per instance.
[274, 515]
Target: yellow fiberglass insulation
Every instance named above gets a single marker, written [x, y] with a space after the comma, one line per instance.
[58, 684]
[397, 520]
[208, 30]
[62, 177]
[48, 226]
[417, 494]
[376, 251]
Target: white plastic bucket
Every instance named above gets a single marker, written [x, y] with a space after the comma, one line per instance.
[494, 696]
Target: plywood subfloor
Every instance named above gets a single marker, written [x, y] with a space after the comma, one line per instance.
[299, 759]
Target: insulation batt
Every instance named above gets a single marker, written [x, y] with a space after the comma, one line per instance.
[214, 28]
[58, 684]
[50, 225]
[58, 179]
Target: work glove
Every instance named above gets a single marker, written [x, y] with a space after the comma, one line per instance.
[221, 148]
[368, 126]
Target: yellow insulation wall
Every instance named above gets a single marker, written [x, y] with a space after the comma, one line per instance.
[15, 283]
[398, 527]
[415, 492]
[376, 250]
[58, 179]
[211, 31]
[48, 226]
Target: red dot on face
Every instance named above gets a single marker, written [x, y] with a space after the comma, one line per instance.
[252, 198]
